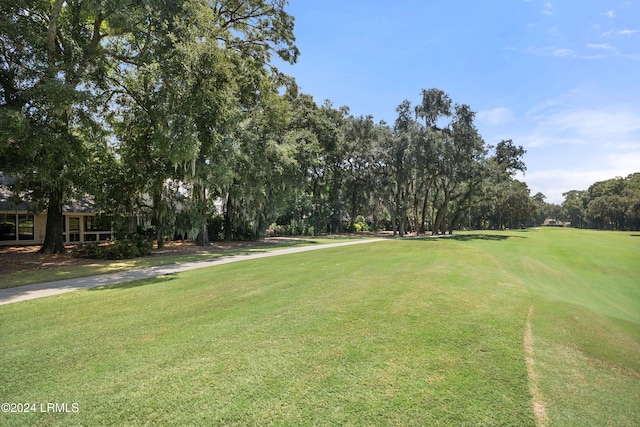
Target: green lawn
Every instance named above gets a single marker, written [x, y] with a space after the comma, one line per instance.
[412, 332]
[107, 266]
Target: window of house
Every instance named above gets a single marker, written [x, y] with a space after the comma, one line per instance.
[25, 227]
[7, 226]
[74, 229]
[74, 224]
[97, 223]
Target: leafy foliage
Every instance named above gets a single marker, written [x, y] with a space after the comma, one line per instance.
[174, 113]
[613, 204]
[133, 246]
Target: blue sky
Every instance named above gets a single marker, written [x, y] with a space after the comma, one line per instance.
[561, 78]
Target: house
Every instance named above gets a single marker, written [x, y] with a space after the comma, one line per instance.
[549, 222]
[20, 225]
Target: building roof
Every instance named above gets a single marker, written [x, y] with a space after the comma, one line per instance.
[8, 202]
[12, 202]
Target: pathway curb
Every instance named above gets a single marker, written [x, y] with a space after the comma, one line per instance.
[40, 290]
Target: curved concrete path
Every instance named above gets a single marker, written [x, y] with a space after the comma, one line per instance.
[23, 293]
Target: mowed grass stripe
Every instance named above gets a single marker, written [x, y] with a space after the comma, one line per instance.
[402, 332]
[586, 292]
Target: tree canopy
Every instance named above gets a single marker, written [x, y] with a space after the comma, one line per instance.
[613, 204]
[174, 112]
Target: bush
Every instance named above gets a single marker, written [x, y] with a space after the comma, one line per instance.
[275, 230]
[135, 245]
[87, 250]
[215, 227]
[360, 225]
[121, 249]
[301, 228]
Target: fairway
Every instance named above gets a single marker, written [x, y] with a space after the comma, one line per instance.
[400, 332]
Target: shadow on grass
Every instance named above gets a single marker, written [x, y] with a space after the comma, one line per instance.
[490, 237]
[474, 236]
[137, 283]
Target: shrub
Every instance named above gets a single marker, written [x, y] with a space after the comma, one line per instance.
[87, 250]
[275, 230]
[120, 249]
[133, 246]
[360, 225]
[215, 227]
[301, 228]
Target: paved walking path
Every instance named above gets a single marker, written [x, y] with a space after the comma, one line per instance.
[23, 293]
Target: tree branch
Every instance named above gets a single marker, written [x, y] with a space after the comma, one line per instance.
[52, 30]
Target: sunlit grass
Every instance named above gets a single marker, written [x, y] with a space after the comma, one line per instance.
[586, 290]
[414, 332]
[104, 267]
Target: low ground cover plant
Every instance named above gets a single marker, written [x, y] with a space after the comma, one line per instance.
[133, 246]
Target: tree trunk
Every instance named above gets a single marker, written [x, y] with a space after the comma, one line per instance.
[157, 220]
[228, 234]
[424, 212]
[334, 200]
[454, 220]
[53, 239]
[403, 212]
[203, 235]
[500, 218]
[392, 212]
[437, 225]
[354, 207]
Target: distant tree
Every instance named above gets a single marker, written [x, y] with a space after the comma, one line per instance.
[508, 158]
[610, 204]
[631, 194]
[229, 64]
[540, 208]
[459, 169]
[574, 207]
[360, 134]
[399, 165]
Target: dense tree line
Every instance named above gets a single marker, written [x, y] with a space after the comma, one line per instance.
[175, 110]
[613, 204]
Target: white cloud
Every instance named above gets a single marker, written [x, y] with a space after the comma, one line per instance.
[609, 14]
[560, 52]
[563, 52]
[495, 117]
[570, 149]
[551, 51]
[588, 126]
[560, 101]
[554, 182]
[626, 163]
[601, 46]
[625, 32]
